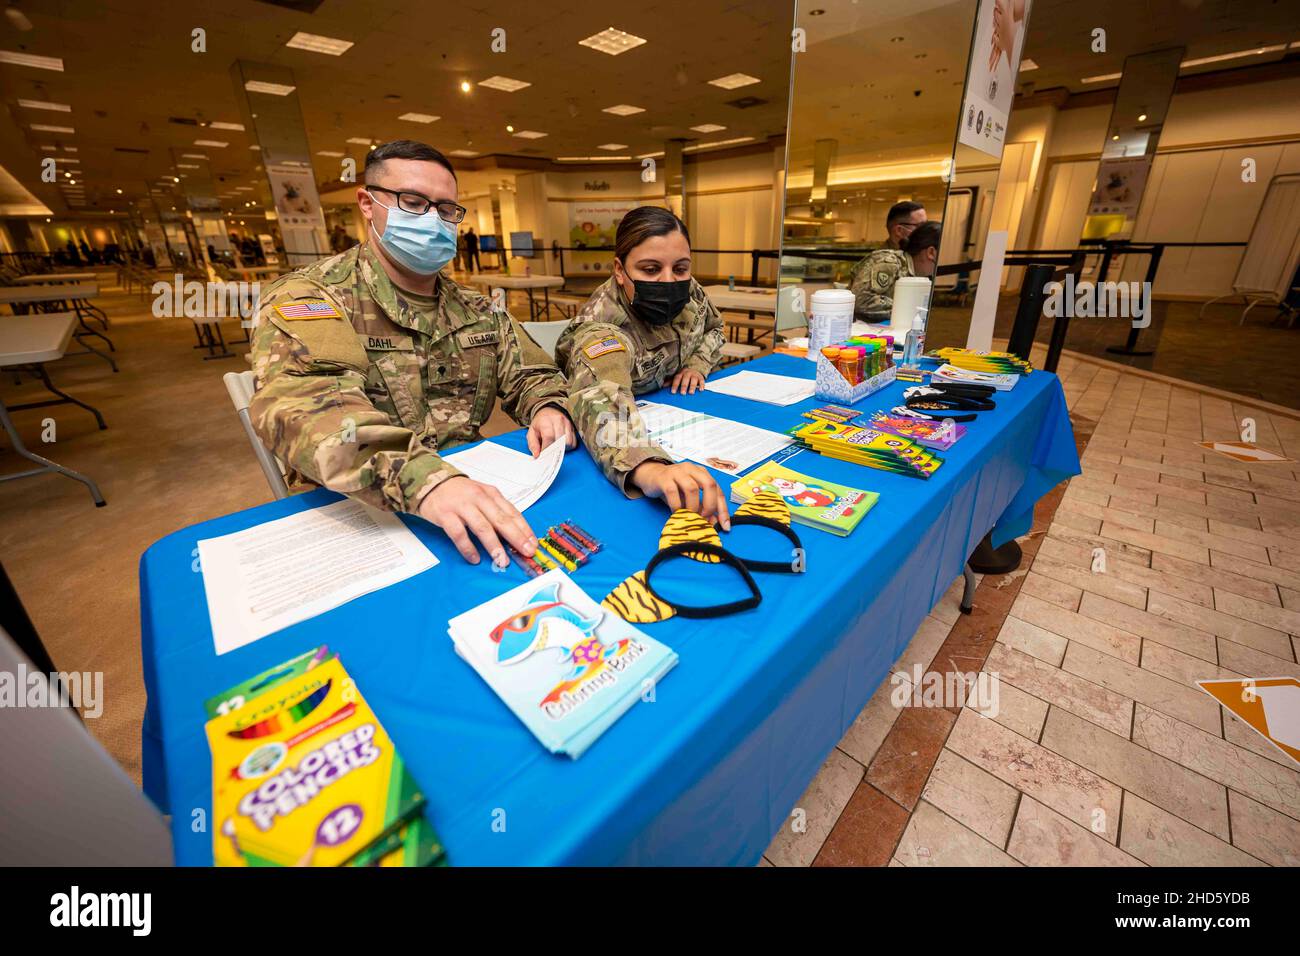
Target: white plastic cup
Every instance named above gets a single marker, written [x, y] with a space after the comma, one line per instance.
[910, 293]
[830, 319]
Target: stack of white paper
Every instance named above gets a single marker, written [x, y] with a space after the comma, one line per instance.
[265, 578]
[764, 387]
[521, 478]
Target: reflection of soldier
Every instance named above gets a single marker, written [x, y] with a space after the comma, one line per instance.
[873, 281]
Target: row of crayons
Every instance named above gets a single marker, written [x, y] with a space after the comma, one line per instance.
[563, 546]
[861, 357]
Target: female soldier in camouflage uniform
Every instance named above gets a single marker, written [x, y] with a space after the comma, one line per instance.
[649, 325]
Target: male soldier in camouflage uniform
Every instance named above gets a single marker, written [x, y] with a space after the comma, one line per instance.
[873, 281]
[873, 278]
[369, 362]
[611, 353]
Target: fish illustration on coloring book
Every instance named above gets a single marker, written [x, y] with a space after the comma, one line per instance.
[547, 622]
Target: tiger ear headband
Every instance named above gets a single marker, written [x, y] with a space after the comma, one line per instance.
[688, 535]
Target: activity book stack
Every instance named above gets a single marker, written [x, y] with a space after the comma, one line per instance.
[995, 362]
[813, 502]
[304, 774]
[867, 446]
[566, 667]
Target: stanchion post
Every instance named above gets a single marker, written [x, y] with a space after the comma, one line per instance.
[1030, 309]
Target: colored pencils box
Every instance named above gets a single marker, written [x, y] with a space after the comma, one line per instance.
[304, 774]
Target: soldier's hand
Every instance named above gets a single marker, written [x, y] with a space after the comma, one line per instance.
[461, 506]
[687, 381]
[683, 486]
[548, 425]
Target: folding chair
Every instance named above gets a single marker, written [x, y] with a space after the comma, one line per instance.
[546, 334]
[240, 385]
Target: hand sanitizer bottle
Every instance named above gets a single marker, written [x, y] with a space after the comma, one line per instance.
[914, 344]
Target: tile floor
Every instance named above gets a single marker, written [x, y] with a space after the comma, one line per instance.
[1101, 751]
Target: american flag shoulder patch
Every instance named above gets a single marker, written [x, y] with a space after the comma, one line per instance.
[300, 309]
[603, 347]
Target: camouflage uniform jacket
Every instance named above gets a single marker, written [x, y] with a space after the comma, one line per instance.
[873, 281]
[360, 400]
[610, 356]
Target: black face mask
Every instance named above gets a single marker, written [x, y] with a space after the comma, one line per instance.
[658, 303]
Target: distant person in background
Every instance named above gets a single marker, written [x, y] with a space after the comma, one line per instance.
[471, 252]
[460, 251]
[85, 251]
[902, 219]
[874, 277]
[73, 257]
[338, 239]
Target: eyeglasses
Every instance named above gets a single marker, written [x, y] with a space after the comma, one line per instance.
[418, 205]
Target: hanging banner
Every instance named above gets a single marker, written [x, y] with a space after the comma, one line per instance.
[991, 78]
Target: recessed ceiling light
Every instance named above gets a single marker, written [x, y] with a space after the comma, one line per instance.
[360, 141]
[36, 62]
[188, 166]
[274, 89]
[193, 156]
[1027, 64]
[708, 128]
[119, 192]
[70, 149]
[215, 143]
[529, 134]
[43, 105]
[1256, 51]
[319, 44]
[717, 143]
[733, 80]
[328, 152]
[235, 126]
[592, 159]
[1102, 78]
[255, 146]
[68, 159]
[623, 110]
[651, 155]
[463, 152]
[1142, 118]
[419, 118]
[503, 83]
[49, 149]
[612, 41]
[52, 129]
[464, 86]
[509, 129]
[613, 147]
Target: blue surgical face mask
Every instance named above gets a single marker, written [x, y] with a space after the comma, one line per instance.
[422, 244]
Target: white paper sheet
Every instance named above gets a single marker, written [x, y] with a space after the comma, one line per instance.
[522, 478]
[764, 387]
[1282, 712]
[266, 578]
[730, 447]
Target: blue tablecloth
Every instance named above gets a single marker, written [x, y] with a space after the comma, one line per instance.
[708, 771]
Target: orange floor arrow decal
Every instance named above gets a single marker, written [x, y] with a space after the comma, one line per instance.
[1270, 705]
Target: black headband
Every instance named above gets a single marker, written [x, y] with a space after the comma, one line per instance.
[778, 567]
[690, 548]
